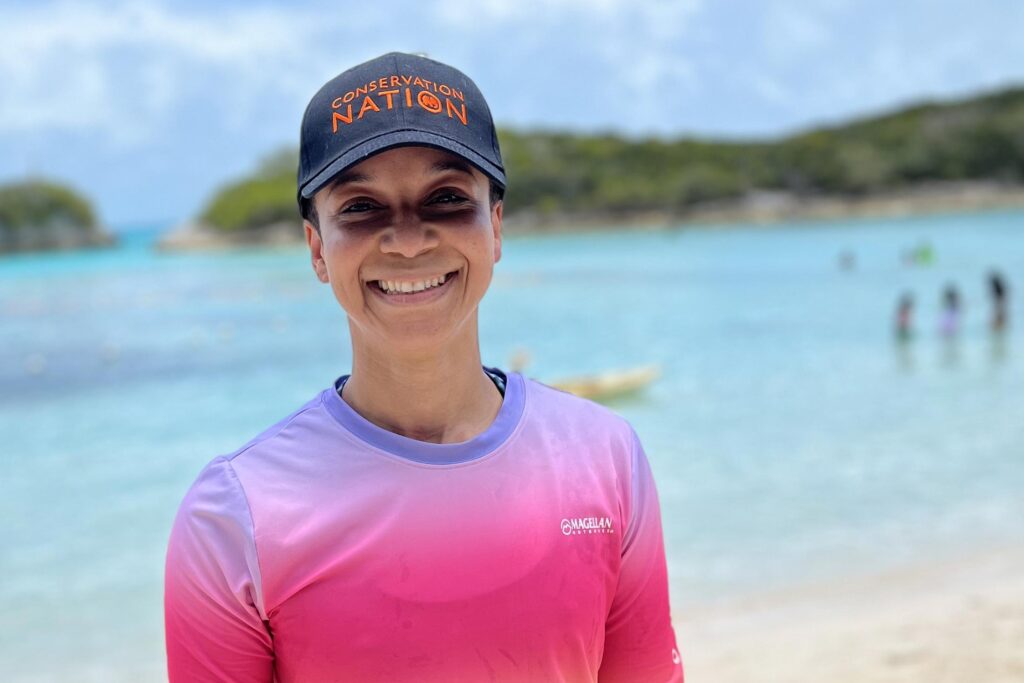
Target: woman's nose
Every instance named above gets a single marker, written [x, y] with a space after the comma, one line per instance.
[408, 236]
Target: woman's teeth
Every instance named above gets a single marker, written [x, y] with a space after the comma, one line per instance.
[405, 286]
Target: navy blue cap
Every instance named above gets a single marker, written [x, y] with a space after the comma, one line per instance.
[395, 100]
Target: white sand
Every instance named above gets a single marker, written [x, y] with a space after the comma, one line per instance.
[961, 622]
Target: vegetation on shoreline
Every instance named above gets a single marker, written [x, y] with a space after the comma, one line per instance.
[560, 173]
[264, 198]
[977, 139]
[42, 214]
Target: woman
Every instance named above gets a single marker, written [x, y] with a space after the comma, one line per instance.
[424, 518]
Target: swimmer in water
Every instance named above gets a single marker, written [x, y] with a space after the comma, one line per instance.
[950, 322]
[1000, 303]
[905, 317]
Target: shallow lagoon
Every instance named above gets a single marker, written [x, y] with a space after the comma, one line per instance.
[792, 439]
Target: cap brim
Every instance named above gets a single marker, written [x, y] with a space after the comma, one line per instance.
[399, 138]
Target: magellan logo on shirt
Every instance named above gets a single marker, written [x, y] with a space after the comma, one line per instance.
[587, 525]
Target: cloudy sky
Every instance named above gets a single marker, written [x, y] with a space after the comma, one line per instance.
[148, 106]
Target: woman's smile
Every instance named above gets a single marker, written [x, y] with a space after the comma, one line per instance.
[405, 292]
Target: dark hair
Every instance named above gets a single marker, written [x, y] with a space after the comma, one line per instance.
[308, 209]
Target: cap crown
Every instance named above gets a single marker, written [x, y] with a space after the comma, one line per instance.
[394, 100]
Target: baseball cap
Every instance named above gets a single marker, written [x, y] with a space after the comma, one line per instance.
[391, 101]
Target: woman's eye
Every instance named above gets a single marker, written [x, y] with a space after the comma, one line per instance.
[359, 207]
[447, 198]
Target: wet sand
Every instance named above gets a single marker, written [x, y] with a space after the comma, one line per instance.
[961, 621]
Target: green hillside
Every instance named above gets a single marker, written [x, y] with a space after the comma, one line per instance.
[981, 138]
[42, 214]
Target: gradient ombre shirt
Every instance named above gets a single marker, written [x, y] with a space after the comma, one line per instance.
[329, 549]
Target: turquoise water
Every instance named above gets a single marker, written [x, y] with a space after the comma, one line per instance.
[791, 438]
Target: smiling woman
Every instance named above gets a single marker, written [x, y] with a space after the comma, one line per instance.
[423, 517]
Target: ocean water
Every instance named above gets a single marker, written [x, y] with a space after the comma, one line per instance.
[791, 437]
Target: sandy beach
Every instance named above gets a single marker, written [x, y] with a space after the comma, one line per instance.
[960, 621]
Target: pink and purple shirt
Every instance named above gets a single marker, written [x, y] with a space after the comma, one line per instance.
[330, 549]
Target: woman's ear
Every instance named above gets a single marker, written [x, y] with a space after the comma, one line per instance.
[496, 213]
[316, 247]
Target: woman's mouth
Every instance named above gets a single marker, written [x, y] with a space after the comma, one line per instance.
[413, 291]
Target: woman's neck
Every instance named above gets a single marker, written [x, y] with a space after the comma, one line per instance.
[442, 397]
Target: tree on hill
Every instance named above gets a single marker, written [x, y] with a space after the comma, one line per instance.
[265, 198]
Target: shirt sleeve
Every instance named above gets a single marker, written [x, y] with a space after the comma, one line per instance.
[640, 644]
[213, 608]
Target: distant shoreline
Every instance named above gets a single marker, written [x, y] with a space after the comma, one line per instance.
[769, 208]
[757, 208]
[62, 238]
[199, 236]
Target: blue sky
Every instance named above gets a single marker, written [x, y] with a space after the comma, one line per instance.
[148, 106]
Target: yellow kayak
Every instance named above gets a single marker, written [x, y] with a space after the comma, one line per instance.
[611, 384]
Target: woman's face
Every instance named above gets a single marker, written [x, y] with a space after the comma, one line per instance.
[407, 240]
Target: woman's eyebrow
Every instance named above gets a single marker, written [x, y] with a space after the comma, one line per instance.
[347, 178]
[451, 165]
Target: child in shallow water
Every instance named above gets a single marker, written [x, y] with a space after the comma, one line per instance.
[949, 324]
[905, 317]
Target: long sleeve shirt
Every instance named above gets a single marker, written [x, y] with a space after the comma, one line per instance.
[330, 549]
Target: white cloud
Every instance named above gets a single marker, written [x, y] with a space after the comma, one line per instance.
[793, 31]
[617, 28]
[613, 51]
[118, 70]
[475, 13]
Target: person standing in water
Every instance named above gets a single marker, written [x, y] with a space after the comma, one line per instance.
[905, 317]
[949, 324]
[1000, 304]
[903, 328]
